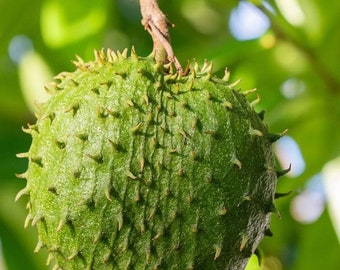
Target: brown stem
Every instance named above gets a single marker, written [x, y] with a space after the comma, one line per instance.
[156, 23]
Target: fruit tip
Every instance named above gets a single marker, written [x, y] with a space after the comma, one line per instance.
[80, 60]
[24, 191]
[223, 211]
[37, 160]
[187, 69]
[122, 55]
[272, 209]
[255, 132]
[280, 195]
[274, 137]
[98, 158]
[247, 92]
[111, 56]
[38, 104]
[236, 162]
[218, 250]
[56, 267]
[226, 76]
[49, 258]
[244, 241]
[39, 245]
[37, 218]
[261, 114]
[131, 175]
[27, 220]
[268, 232]
[133, 54]
[255, 102]
[21, 175]
[99, 56]
[74, 254]
[107, 192]
[208, 69]
[22, 155]
[232, 85]
[283, 172]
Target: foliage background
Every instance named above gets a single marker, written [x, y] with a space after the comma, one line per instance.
[38, 38]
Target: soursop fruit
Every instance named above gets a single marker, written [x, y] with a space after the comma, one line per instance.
[136, 166]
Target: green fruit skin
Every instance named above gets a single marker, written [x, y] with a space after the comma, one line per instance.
[133, 166]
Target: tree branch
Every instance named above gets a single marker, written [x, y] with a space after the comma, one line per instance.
[156, 23]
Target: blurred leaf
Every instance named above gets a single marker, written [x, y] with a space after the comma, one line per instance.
[331, 176]
[34, 73]
[65, 22]
[320, 241]
[15, 240]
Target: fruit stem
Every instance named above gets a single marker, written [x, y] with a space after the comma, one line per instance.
[157, 24]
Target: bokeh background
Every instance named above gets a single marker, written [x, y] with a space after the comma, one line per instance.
[288, 49]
